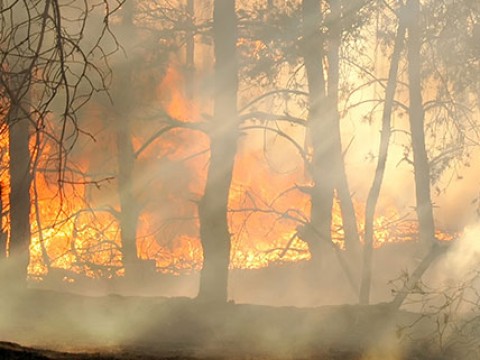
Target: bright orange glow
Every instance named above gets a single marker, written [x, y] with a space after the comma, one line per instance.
[80, 233]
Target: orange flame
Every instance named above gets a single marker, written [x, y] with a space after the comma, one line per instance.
[71, 233]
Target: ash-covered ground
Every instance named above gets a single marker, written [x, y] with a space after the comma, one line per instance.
[154, 327]
[51, 324]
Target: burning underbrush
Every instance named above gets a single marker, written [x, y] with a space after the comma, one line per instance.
[77, 248]
[239, 179]
[76, 228]
[76, 212]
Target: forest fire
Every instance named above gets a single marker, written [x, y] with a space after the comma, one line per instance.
[71, 234]
[254, 179]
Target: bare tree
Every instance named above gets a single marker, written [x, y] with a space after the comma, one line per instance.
[19, 128]
[53, 58]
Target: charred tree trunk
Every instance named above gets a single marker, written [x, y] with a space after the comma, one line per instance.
[128, 215]
[421, 165]
[374, 192]
[349, 219]
[214, 231]
[16, 82]
[320, 236]
[20, 177]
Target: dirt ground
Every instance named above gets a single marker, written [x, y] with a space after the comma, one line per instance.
[72, 326]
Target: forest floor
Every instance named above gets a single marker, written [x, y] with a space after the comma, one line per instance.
[73, 326]
[90, 320]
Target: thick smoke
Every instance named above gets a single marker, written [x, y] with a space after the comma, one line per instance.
[136, 170]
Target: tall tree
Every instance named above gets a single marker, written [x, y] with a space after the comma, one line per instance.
[416, 112]
[385, 135]
[335, 23]
[327, 168]
[40, 47]
[214, 230]
[437, 69]
[323, 178]
[123, 108]
[19, 128]
[16, 83]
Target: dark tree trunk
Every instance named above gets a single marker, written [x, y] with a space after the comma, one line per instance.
[320, 235]
[417, 127]
[20, 177]
[214, 231]
[123, 105]
[374, 192]
[128, 216]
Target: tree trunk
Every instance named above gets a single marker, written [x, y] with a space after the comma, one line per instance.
[123, 105]
[434, 252]
[214, 231]
[417, 127]
[20, 177]
[374, 192]
[327, 168]
[320, 236]
[128, 216]
[17, 81]
[349, 219]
